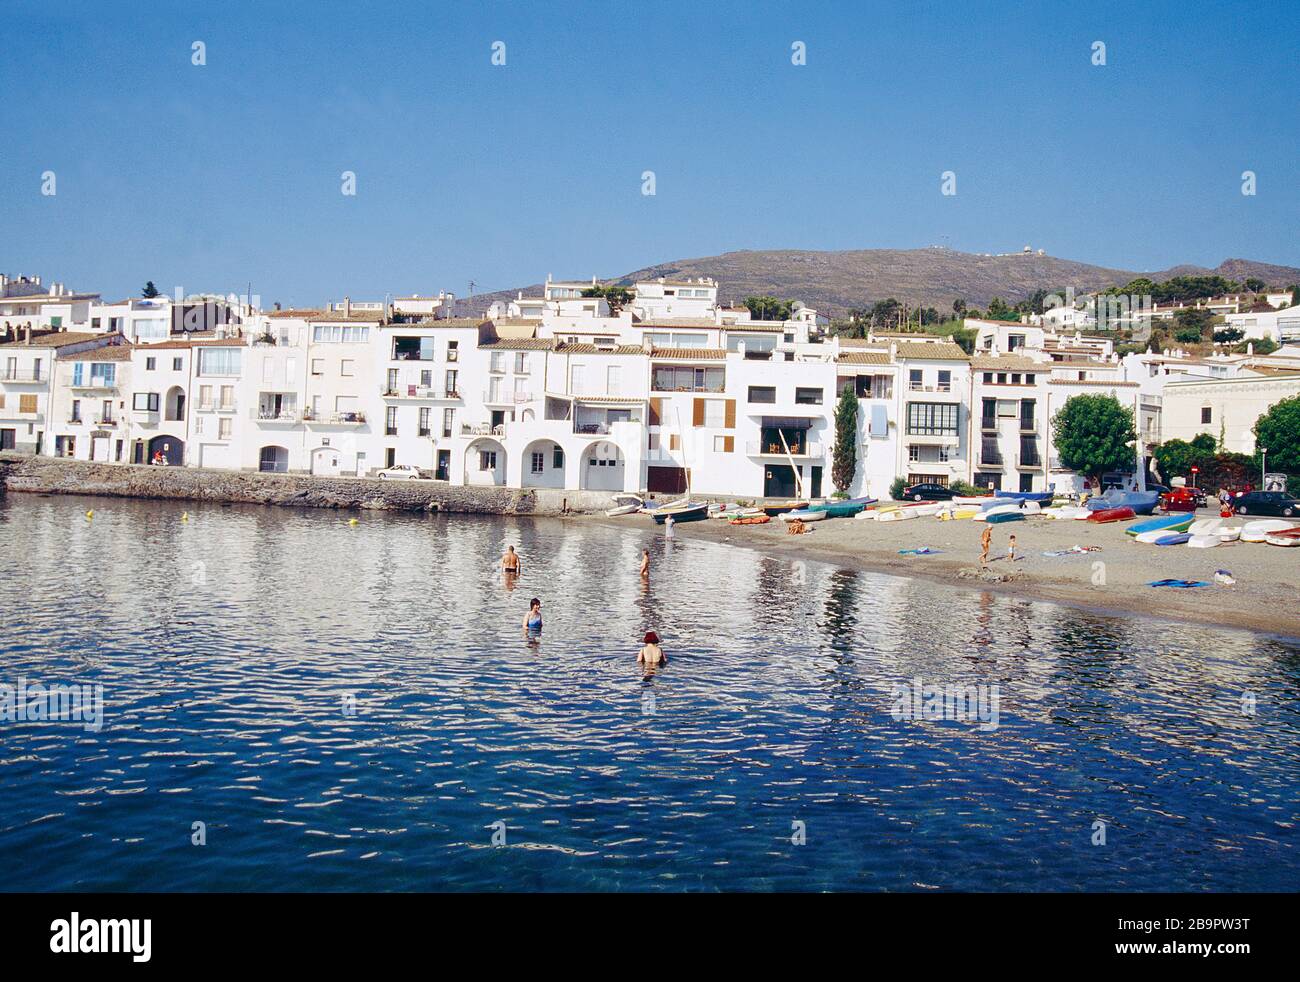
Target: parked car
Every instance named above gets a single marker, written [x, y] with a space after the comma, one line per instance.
[1183, 499]
[400, 472]
[928, 492]
[1267, 503]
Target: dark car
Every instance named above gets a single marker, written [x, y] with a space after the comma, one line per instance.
[1267, 503]
[928, 492]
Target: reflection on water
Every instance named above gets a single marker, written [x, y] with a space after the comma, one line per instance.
[355, 707]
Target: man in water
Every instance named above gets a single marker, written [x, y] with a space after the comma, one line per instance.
[986, 540]
[510, 561]
[645, 564]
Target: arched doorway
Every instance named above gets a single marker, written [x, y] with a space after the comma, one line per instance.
[174, 406]
[172, 450]
[326, 461]
[273, 459]
[543, 465]
[485, 463]
[602, 467]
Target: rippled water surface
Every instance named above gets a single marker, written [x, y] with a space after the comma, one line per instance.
[229, 644]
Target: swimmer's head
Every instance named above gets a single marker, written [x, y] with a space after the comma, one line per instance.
[535, 603]
[651, 638]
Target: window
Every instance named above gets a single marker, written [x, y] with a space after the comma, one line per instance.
[671, 378]
[945, 380]
[808, 397]
[451, 390]
[413, 349]
[538, 462]
[225, 425]
[557, 459]
[390, 421]
[913, 453]
[219, 361]
[424, 421]
[76, 411]
[145, 402]
[931, 419]
[338, 334]
[347, 367]
[521, 363]
[453, 350]
[988, 378]
[498, 363]
[426, 379]
[151, 329]
[227, 397]
[914, 379]
[1207, 414]
[27, 403]
[762, 393]
[150, 364]
[94, 323]
[723, 444]
[205, 397]
[178, 364]
[715, 413]
[448, 417]
[318, 366]
[487, 460]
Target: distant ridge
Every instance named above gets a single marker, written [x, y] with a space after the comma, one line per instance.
[833, 282]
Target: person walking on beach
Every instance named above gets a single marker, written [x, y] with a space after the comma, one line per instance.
[645, 564]
[510, 561]
[651, 655]
[533, 619]
[986, 540]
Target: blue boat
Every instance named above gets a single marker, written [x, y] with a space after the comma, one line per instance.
[842, 509]
[685, 513]
[1174, 523]
[996, 502]
[1006, 516]
[1028, 495]
[1142, 502]
[1176, 539]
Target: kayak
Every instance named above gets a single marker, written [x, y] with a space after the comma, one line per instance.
[1167, 523]
[1103, 515]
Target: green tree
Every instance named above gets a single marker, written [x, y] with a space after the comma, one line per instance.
[769, 308]
[1093, 435]
[1175, 458]
[885, 312]
[844, 461]
[615, 296]
[959, 308]
[1278, 430]
[1254, 284]
[1229, 335]
[999, 311]
[150, 290]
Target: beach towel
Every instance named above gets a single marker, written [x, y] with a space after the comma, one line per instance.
[1180, 584]
[922, 551]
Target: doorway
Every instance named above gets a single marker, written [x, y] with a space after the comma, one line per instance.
[778, 481]
[443, 471]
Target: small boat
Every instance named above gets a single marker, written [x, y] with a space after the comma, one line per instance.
[1287, 537]
[1260, 529]
[1152, 537]
[896, 515]
[685, 513]
[842, 509]
[998, 502]
[802, 515]
[653, 506]
[625, 504]
[1164, 523]
[1142, 502]
[775, 510]
[1173, 539]
[758, 519]
[1204, 542]
[1205, 526]
[1229, 533]
[1064, 512]
[734, 513]
[927, 508]
[970, 499]
[1008, 508]
[1001, 517]
[1104, 515]
[1029, 495]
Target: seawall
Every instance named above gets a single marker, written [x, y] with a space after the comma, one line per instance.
[49, 475]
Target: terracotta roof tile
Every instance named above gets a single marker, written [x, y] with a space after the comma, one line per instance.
[690, 354]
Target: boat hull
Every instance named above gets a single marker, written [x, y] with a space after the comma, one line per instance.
[1105, 515]
[1002, 517]
[1166, 523]
[803, 515]
[691, 513]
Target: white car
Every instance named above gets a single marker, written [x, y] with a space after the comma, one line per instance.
[400, 472]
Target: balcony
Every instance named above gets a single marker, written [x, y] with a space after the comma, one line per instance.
[506, 398]
[1029, 461]
[1028, 424]
[482, 429]
[347, 418]
[922, 387]
[265, 414]
[146, 417]
[96, 384]
[25, 375]
[756, 448]
[991, 459]
[106, 421]
[989, 423]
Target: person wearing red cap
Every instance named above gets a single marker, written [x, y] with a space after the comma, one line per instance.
[651, 655]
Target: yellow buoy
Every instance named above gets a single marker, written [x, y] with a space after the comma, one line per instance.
[91, 513]
[185, 516]
[353, 521]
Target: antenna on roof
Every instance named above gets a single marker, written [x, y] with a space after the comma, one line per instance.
[472, 284]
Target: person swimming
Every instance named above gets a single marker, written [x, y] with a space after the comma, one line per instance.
[651, 655]
[533, 619]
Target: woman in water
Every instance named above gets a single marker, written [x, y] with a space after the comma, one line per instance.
[533, 619]
[651, 655]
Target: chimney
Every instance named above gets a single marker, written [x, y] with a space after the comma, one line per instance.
[347, 306]
[27, 334]
[277, 305]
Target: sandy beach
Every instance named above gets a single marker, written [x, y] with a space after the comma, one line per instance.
[1263, 598]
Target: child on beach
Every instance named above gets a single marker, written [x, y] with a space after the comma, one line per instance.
[651, 655]
[1011, 548]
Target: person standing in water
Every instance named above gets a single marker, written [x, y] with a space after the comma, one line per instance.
[668, 526]
[645, 564]
[510, 561]
[651, 655]
[986, 540]
[533, 619]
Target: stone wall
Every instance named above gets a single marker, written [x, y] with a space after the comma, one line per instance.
[49, 475]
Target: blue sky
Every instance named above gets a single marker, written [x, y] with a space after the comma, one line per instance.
[212, 176]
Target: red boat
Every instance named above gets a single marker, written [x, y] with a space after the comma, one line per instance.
[1112, 515]
[1183, 499]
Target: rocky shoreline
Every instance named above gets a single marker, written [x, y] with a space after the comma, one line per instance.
[48, 475]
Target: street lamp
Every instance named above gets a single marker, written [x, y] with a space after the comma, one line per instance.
[1263, 465]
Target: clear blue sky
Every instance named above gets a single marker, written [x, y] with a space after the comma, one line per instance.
[209, 177]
